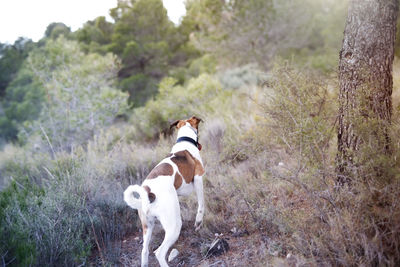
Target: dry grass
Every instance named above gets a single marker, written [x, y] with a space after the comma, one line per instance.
[269, 185]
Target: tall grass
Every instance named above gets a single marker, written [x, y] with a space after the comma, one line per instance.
[58, 210]
[269, 151]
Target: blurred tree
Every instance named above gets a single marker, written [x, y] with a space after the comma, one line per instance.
[141, 37]
[81, 97]
[122, 7]
[56, 29]
[95, 35]
[256, 31]
[397, 42]
[252, 31]
[22, 102]
[366, 83]
[11, 58]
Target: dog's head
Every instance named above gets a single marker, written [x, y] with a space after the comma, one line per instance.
[193, 122]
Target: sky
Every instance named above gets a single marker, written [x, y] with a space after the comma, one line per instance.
[30, 18]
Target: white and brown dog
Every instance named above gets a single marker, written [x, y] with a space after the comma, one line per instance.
[176, 175]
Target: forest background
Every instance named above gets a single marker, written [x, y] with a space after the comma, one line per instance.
[84, 114]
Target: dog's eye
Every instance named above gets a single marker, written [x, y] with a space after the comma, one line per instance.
[136, 195]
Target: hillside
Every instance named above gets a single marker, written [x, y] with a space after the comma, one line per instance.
[85, 114]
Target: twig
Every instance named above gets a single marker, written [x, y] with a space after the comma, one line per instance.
[48, 140]
[95, 239]
[52, 176]
[20, 185]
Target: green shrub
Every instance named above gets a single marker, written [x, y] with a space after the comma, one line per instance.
[81, 99]
[140, 88]
[43, 225]
[348, 225]
[22, 102]
[299, 114]
[176, 102]
[70, 204]
[16, 247]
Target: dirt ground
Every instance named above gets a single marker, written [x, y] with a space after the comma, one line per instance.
[244, 249]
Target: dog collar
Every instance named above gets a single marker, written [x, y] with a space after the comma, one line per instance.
[190, 140]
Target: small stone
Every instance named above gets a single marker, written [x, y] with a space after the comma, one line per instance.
[291, 260]
[137, 238]
[174, 253]
[240, 233]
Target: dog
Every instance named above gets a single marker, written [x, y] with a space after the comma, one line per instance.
[176, 175]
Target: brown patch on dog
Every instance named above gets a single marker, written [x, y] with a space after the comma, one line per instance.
[194, 122]
[178, 124]
[198, 168]
[188, 166]
[143, 221]
[178, 180]
[162, 169]
[150, 194]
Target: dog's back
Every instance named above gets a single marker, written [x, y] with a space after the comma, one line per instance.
[177, 174]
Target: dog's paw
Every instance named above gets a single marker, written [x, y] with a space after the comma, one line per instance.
[198, 225]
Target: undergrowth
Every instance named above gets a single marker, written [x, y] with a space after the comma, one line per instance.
[269, 150]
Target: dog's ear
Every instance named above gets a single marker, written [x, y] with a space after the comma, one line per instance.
[194, 121]
[175, 123]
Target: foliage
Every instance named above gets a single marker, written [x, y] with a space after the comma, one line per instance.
[81, 96]
[15, 243]
[56, 29]
[335, 226]
[177, 102]
[268, 142]
[60, 207]
[298, 115]
[22, 103]
[141, 39]
[95, 35]
[242, 32]
[11, 59]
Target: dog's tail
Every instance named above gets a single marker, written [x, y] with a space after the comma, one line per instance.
[145, 197]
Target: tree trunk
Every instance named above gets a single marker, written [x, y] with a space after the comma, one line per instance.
[365, 77]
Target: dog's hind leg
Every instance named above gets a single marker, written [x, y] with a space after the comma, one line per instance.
[171, 222]
[171, 235]
[147, 227]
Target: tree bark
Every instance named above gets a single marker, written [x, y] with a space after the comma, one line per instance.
[366, 83]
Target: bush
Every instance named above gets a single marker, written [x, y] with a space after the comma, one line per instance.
[60, 211]
[176, 102]
[81, 96]
[347, 225]
[15, 245]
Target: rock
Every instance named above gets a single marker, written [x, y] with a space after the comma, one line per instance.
[291, 260]
[218, 247]
[174, 253]
[240, 233]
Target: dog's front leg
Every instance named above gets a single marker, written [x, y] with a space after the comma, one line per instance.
[198, 185]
